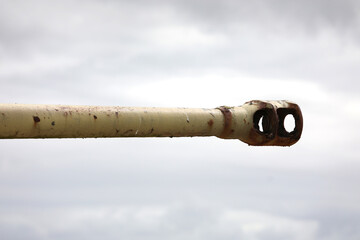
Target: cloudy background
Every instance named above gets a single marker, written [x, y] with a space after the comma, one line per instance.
[177, 53]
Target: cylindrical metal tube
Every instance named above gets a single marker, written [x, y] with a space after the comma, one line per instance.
[59, 121]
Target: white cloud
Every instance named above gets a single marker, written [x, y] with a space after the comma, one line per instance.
[40, 64]
[258, 225]
[183, 36]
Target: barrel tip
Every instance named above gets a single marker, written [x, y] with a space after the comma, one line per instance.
[269, 123]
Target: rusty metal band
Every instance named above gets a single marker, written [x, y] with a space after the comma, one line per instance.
[227, 121]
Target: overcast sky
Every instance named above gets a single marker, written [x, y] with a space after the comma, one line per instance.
[173, 53]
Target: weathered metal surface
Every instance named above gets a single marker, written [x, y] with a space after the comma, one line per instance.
[59, 121]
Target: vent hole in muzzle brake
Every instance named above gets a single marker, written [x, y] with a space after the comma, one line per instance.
[289, 123]
[263, 121]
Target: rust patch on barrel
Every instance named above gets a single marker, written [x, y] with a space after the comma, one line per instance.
[36, 119]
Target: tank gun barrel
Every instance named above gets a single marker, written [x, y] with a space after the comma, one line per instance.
[255, 122]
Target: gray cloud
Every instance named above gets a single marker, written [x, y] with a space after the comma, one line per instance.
[89, 41]
[274, 14]
[180, 196]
